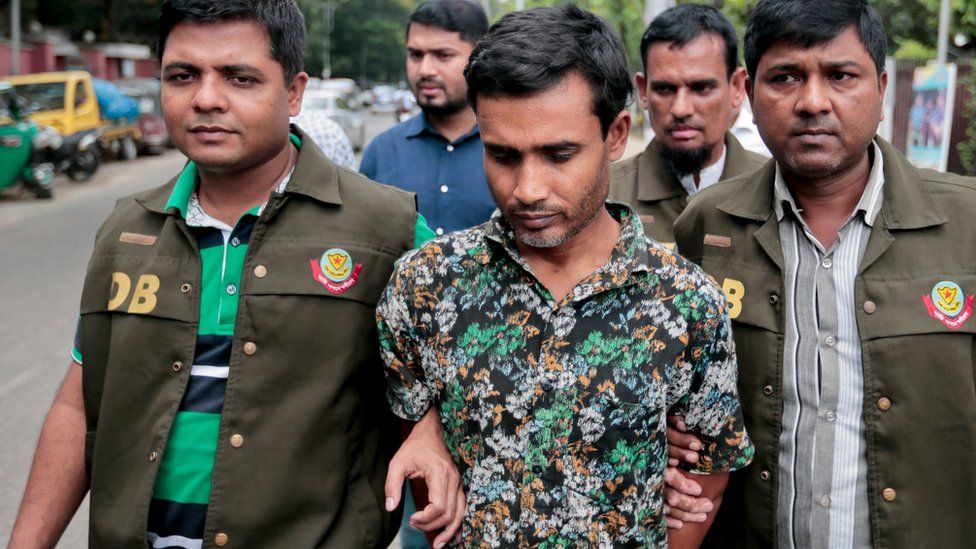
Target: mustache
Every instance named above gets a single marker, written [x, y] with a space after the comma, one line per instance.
[819, 124]
[537, 208]
[429, 80]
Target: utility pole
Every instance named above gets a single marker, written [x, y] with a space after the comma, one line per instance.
[329, 14]
[945, 15]
[519, 5]
[15, 37]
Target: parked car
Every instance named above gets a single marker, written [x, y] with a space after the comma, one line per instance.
[346, 87]
[155, 137]
[20, 143]
[384, 99]
[335, 106]
[67, 102]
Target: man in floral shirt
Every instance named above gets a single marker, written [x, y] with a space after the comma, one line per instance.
[553, 339]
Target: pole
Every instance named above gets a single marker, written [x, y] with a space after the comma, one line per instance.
[329, 14]
[15, 37]
[945, 15]
[486, 5]
[519, 5]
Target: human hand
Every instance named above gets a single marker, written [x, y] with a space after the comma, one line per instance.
[681, 505]
[682, 446]
[423, 455]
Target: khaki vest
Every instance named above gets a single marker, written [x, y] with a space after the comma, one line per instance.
[644, 182]
[305, 390]
[919, 396]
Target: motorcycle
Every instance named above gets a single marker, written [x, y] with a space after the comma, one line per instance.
[77, 155]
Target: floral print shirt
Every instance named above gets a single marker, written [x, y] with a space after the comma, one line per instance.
[555, 411]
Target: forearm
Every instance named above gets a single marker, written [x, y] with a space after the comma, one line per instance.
[692, 534]
[57, 481]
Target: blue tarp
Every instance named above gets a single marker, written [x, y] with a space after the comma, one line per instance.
[114, 104]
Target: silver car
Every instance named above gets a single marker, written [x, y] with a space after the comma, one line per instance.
[335, 106]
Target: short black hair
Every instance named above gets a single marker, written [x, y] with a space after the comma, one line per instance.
[461, 16]
[532, 51]
[808, 23]
[682, 24]
[280, 19]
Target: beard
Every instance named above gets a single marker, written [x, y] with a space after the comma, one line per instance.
[444, 109]
[581, 216]
[681, 162]
[451, 104]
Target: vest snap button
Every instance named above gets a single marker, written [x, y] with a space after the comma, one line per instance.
[768, 390]
[888, 494]
[177, 366]
[884, 404]
[185, 288]
[260, 271]
[250, 348]
[221, 539]
[237, 440]
[870, 307]
[764, 475]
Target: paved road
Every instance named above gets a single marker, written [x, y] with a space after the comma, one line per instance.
[44, 249]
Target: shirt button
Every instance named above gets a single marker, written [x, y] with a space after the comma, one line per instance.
[830, 341]
[869, 307]
[827, 263]
[250, 348]
[185, 288]
[889, 494]
[260, 271]
[450, 148]
[884, 403]
[773, 299]
[235, 242]
[443, 188]
[177, 366]
[237, 440]
[153, 455]
[830, 416]
[439, 231]
[768, 390]
[764, 475]
[231, 289]
[824, 501]
[221, 539]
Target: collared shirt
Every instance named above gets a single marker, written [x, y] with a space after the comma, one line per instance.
[708, 176]
[328, 135]
[823, 495]
[553, 410]
[448, 177]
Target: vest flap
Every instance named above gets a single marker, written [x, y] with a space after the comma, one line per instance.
[921, 304]
[341, 270]
[154, 286]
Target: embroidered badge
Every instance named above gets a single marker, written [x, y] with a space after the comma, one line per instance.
[336, 271]
[948, 304]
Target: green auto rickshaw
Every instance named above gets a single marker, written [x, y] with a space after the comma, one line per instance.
[19, 165]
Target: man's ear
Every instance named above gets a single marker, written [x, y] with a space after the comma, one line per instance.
[640, 80]
[296, 90]
[617, 135]
[882, 86]
[738, 84]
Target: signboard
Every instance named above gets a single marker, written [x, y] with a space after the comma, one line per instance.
[930, 116]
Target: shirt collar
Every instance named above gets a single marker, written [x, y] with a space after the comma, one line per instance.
[869, 204]
[630, 254]
[708, 176]
[184, 192]
[420, 125]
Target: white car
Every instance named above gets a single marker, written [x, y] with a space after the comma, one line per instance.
[335, 106]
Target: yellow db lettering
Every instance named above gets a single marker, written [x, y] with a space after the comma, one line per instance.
[144, 296]
[120, 287]
[734, 292]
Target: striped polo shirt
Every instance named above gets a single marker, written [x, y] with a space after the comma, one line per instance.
[823, 495]
[178, 509]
